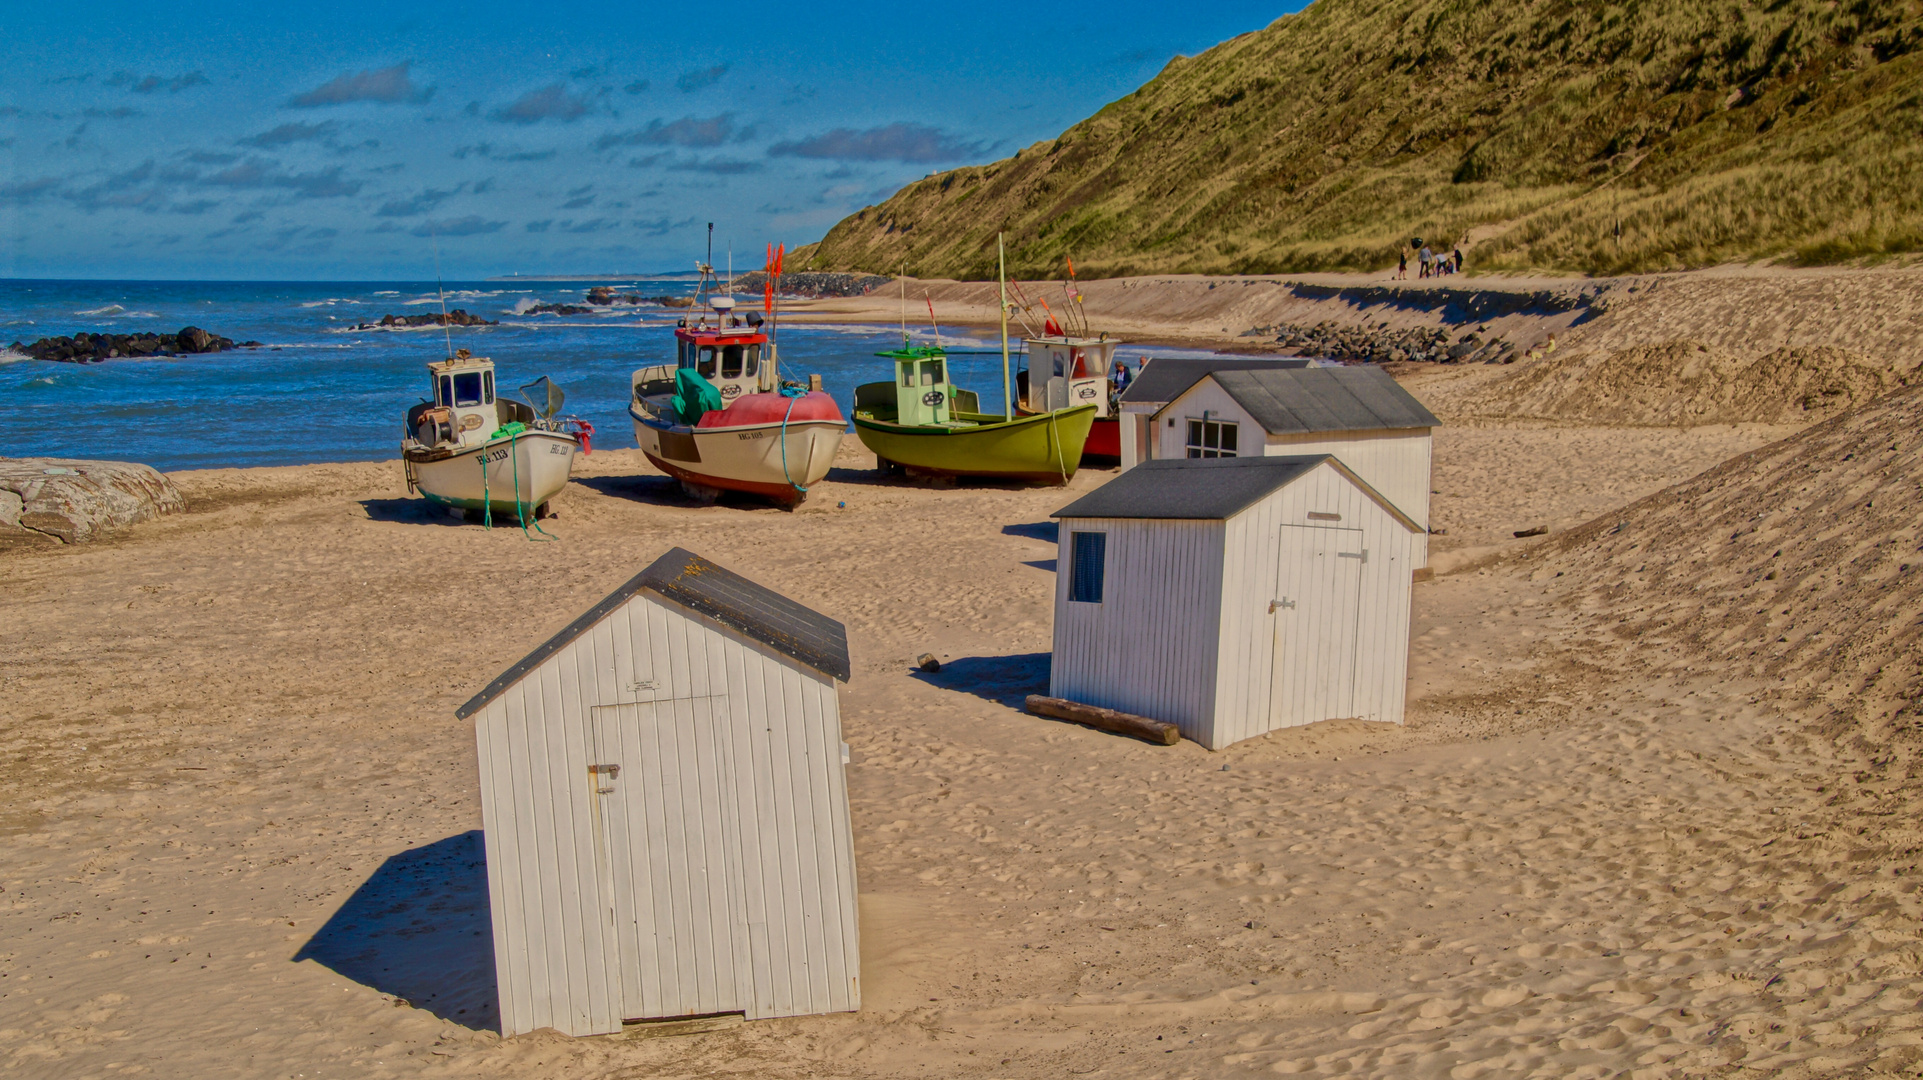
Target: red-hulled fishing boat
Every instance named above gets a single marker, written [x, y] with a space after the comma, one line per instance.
[720, 418]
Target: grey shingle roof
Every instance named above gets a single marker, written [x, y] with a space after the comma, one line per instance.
[692, 582]
[1163, 379]
[1303, 400]
[1206, 489]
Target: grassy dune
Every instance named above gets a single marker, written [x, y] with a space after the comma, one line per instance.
[1564, 135]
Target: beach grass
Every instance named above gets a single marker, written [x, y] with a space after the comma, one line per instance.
[1563, 136]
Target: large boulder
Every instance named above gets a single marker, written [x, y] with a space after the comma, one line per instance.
[77, 501]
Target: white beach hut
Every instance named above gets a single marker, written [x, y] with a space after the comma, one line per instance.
[1162, 380]
[1359, 414]
[1234, 596]
[665, 811]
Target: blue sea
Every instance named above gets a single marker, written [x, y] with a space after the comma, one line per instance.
[319, 390]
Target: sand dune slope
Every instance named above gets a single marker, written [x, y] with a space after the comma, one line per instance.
[1797, 564]
[1686, 383]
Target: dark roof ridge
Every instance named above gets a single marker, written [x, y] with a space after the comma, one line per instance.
[1142, 492]
[692, 582]
[1293, 401]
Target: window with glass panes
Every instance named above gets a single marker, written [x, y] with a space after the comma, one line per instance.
[1211, 439]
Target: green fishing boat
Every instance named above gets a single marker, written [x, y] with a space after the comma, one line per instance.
[921, 423]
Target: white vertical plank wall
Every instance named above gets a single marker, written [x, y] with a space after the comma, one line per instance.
[1246, 675]
[1150, 646]
[1398, 463]
[1184, 634]
[738, 727]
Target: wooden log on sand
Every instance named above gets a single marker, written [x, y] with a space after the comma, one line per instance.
[1121, 723]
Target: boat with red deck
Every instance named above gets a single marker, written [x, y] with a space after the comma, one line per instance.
[720, 418]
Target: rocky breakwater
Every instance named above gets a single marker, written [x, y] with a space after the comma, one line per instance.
[77, 501]
[457, 317]
[86, 348]
[604, 296]
[1425, 322]
[811, 284]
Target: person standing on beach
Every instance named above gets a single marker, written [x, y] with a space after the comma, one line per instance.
[1428, 260]
[1458, 260]
[1402, 264]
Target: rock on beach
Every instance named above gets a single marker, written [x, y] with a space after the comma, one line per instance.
[88, 348]
[457, 317]
[77, 501]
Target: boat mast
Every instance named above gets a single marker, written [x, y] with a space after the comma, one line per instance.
[1001, 279]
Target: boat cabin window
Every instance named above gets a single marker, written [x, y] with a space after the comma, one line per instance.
[740, 360]
[487, 388]
[908, 373]
[1059, 359]
[467, 388]
[704, 362]
[931, 372]
[444, 391]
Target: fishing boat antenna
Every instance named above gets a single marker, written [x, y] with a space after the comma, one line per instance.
[446, 334]
[933, 327]
[1001, 278]
[706, 267]
[902, 279]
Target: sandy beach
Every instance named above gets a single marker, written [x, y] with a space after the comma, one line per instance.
[1614, 838]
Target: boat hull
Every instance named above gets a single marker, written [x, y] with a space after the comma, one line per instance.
[526, 470]
[1104, 438]
[745, 458]
[1044, 448]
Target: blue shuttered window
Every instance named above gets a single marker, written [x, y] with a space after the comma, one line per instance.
[1088, 552]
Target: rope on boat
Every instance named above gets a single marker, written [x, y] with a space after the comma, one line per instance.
[793, 394]
[520, 507]
[1055, 437]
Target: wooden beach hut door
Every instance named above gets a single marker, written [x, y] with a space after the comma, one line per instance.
[667, 851]
[1316, 610]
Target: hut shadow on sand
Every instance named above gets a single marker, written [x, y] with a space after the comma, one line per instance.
[1005, 680]
[419, 929]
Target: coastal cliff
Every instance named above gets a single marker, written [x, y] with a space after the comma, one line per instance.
[1596, 139]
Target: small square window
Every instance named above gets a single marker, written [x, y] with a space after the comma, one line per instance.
[1088, 554]
[1211, 439]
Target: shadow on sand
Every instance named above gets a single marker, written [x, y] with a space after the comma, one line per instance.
[667, 491]
[1005, 680]
[1046, 531]
[419, 929]
[410, 511]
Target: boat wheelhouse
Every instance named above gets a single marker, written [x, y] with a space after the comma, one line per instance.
[471, 449]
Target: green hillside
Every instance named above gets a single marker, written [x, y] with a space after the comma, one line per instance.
[1565, 135]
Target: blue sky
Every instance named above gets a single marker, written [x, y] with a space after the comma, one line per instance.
[342, 141]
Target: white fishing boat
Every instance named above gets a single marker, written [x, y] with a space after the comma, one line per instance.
[720, 419]
[470, 449]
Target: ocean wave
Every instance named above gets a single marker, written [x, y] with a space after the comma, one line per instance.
[329, 301]
[8, 356]
[140, 315]
[388, 292]
[110, 309]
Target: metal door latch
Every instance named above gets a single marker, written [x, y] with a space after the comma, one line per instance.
[1283, 602]
[612, 772]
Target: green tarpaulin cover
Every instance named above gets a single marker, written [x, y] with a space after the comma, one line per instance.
[695, 396]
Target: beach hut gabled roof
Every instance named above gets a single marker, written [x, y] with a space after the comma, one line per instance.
[1298, 401]
[689, 581]
[1207, 489]
[1164, 379]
